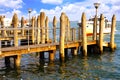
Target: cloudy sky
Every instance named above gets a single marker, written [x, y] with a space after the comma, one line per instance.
[73, 8]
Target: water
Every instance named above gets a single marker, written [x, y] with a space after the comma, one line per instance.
[93, 67]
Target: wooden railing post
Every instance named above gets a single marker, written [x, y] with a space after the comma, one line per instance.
[68, 29]
[95, 29]
[62, 36]
[84, 37]
[112, 36]
[54, 29]
[47, 29]
[33, 30]
[38, 30]
[15, 25]
[101, 33]
[22, 26]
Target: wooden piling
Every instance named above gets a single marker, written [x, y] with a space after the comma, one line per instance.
[84, 37]
[62, 36]
[47, 29]
[42, 25]
[33, 30]
[17, 60]
[68, 29]
[74, 51]
[101, 33]
[7, 61]
[38, 30]
[95, 28]
[54, 29]
[112, 36]
[15, 25]
[52, 55]
[22, 26]
[4, 33]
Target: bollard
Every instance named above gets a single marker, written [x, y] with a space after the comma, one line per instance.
[84, 37]
[54, 29]
[15, 25]
[62, 36]
[47, 29]
[101, 33]
[38, 30]
[112, 36]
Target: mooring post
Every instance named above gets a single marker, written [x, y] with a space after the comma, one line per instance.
[68, 29]
[4, 34]
[112, 36]
[101, 33]
[74, 34]
[17, 60]
[47, 29]
[95, 28]
[84, 37]
[38, 30]
[22, 26]
[52, 55]
[42, 25]
[54, 29]
[7, 61]
[15, 25]
[33, 30]
[74, 51]
[62, 36]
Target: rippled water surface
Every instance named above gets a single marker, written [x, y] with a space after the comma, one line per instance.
[93, 67]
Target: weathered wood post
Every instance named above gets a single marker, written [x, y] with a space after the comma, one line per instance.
[15, 25]
[74, 34]
[54, 29]
[38, 30]
[101, 33]
[95, 28]
[22, 26]
[17, 60]
[33, 30]
[62, 36]
[52, 55]
[112, 36]
[68, 29]
[47, 29]
[4, 34]
[42, 25]
[84, 37]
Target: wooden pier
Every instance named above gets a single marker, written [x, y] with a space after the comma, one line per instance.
[16, 41]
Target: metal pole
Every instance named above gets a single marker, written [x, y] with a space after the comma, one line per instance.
[29, 11]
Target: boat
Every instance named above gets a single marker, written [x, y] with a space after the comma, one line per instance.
[89, 26]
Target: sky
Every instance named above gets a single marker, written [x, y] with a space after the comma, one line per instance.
[72, 8]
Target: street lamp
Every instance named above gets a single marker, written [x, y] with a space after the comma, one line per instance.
[96, 7]
[29, 11]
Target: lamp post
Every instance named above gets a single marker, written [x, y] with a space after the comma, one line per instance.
[29, 11]
[96, 7]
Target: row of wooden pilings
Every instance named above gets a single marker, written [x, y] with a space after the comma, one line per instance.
[43, 35]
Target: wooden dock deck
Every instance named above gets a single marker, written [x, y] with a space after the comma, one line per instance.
[15, 41]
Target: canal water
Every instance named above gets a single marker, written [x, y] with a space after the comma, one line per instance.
[93, 67]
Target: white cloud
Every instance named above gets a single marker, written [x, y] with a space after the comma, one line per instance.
[52, 1]
[14, 4]
[74, 10]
